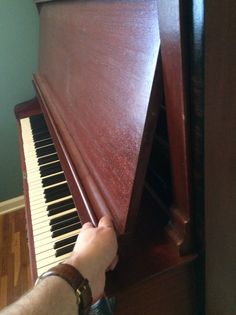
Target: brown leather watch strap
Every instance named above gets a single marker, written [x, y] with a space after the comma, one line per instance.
[79, 284]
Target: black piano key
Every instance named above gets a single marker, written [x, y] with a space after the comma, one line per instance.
[45, 168]
[42, 143]
[67, 229]
[64, 223]
[58, 195]
[64, 250]
[55, 193]
[60, 203]
[48, 159]
[39, 130]
[43, 133]
[38, 122]
[53, 179]
[60, 209]
[66, 241]
[41, 136]
[45, 150]
[50, 169]
[63, 217]
[55, 189]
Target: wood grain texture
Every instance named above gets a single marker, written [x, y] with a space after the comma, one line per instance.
[113, 64]
[97, 65]
[15, 278]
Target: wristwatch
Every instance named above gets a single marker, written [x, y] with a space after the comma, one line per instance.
[74, 278]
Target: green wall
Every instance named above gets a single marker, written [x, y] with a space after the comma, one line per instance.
[18, 59]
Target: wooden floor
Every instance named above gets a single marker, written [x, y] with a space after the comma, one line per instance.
[14, 258]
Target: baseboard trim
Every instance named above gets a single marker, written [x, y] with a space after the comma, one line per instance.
[11, 205]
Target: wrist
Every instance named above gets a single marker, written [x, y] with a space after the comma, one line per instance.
[80, 285]
[81, 265]
[95, 277]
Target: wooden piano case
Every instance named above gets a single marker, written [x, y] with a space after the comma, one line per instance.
[116, 106]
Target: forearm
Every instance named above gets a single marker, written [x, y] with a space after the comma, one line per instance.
[51, 296]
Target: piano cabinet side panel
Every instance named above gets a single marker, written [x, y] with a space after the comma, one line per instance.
[27, 211]
[28, 108]
[170, 293]
[175, 74]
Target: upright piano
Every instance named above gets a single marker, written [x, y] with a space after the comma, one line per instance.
[109, 133]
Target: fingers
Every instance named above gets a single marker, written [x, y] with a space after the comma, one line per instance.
[105, 222]
[87, 225]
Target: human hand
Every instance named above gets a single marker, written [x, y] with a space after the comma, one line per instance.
[95, 252]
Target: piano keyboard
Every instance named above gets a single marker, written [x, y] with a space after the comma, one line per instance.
[55, 220]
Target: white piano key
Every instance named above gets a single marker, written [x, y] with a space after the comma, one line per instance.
[44, 215]
[45, 268]
[52, 259]
[43, 241]
[44, 248]
[46, 254]
[40, 222]
[42, 203]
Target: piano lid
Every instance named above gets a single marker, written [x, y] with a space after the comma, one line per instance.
[96, 71]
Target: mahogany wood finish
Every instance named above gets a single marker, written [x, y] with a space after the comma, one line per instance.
[99, 85]
[27, 109]
[96, 69]
[174, 77]
[170, 293]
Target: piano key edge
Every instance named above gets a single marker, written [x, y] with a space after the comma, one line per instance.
[29, 229]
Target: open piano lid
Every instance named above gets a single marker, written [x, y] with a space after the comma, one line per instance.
[96, 72]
